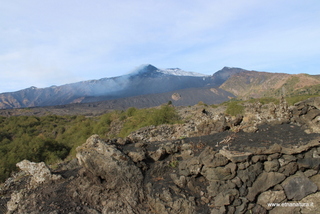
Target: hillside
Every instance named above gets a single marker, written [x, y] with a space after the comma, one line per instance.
[253, 84]
[91, 106]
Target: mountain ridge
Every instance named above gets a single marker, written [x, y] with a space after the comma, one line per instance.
[148, 79]
[253, 84]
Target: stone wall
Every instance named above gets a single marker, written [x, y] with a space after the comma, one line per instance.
[274, 180]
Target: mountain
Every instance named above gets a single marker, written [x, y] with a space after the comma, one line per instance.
[149, 86]
[145, 80]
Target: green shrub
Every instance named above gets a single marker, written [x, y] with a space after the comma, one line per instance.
[264, 100]
[165, 115]
[48, 138]
[146, 117]
[294, 99]
[234, 108]
[200, 103]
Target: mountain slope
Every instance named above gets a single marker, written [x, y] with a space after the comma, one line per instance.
[182, 97]
[258, 84]
[92, 105]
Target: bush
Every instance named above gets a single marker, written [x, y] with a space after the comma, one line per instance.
[165, 115]
[146, 117]
[234, 108]
[130, 111]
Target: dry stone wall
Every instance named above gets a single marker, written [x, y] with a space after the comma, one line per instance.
[273, 180]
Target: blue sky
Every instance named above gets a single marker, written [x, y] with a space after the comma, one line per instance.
[44, 43]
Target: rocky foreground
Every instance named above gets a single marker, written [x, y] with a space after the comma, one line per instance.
[266, 161]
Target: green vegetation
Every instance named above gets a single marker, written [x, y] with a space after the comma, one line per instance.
[200, 103]
[234, 108]
[294, 99]
[146, 117]
[173, 163]
[214, 106]
[313, 90]
[54, 138]
[289, 89]
[265, 100]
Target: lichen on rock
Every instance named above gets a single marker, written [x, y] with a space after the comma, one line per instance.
[40, 172]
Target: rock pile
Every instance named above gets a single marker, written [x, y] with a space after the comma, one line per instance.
[208, 121]
[305, 113]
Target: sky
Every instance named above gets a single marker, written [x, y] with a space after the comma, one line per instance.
[55, 42]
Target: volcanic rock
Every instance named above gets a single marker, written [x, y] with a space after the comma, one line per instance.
[264, 182]
[40, 172]
[298, 186]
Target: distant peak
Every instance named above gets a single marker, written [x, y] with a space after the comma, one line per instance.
[148, 70]
[230, 68]
[145, 68]
[226, 72]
